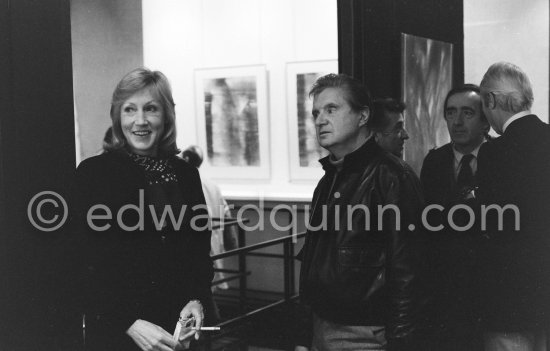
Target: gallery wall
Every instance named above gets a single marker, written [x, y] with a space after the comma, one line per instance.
[106, 43]
[182, 36]
[514, 31]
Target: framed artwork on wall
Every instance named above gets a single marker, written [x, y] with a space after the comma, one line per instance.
[232, 120]
[303, 146]
[426, 78]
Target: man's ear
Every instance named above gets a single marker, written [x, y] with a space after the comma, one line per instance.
[365, 114]
[491, 101]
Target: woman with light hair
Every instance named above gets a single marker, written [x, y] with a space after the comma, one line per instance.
[144, 268]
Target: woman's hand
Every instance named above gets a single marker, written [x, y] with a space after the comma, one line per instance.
[151, 337]
[193, 309]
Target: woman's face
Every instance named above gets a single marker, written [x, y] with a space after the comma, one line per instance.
[142, 122]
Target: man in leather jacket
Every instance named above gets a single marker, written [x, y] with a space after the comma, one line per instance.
[363, 254]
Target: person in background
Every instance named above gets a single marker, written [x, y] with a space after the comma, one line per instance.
[514, 171]
[388, 125]
[218, 209]
[143, 270]
[362, 283]
[448, 172]
[448, 176]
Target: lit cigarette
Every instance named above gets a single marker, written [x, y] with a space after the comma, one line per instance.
[206, 328]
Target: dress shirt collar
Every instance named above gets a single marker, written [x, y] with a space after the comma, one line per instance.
[459, 155]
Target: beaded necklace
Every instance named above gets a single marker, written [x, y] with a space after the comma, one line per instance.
[157, 170]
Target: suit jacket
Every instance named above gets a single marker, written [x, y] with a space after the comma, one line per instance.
[452, 254]
[437, 176]
[515, 273]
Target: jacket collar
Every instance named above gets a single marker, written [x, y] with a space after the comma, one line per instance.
[523, 125]
[514, 118]
[356, 159]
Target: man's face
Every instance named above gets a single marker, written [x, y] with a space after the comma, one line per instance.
[393, 137]
[464, 122]
[337, 125]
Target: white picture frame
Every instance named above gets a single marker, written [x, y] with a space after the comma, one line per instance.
[303, 146]
[232, 122]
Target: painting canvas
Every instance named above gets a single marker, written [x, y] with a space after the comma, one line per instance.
[427, 76]
[232, 120]
[305, 151]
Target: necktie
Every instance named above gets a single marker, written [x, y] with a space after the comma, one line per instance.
[465, 177]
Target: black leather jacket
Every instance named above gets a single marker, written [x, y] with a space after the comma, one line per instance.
[354, 274]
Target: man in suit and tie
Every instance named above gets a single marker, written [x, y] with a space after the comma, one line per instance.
[448, 178]
[514, 170]
[448, 172]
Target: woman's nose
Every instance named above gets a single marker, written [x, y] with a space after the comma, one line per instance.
[140, 118]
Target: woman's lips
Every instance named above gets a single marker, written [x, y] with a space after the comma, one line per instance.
[141, 133]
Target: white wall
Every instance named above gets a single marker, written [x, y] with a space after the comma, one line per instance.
[180, 36]
[106, 44]
[513, 31]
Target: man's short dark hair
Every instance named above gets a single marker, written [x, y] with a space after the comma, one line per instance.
[357, 93]
[378, 121]
[464, 89]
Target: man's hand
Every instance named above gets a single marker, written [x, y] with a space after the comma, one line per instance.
[151, 337]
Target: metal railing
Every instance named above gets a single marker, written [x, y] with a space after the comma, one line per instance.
[241, 273]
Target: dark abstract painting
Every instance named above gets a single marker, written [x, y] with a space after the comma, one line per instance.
[231, 114]
[304, 149]
[309, 149]
[427, 67]
[233, 121]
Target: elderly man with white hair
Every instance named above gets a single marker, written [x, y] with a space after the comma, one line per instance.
[514, 171]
